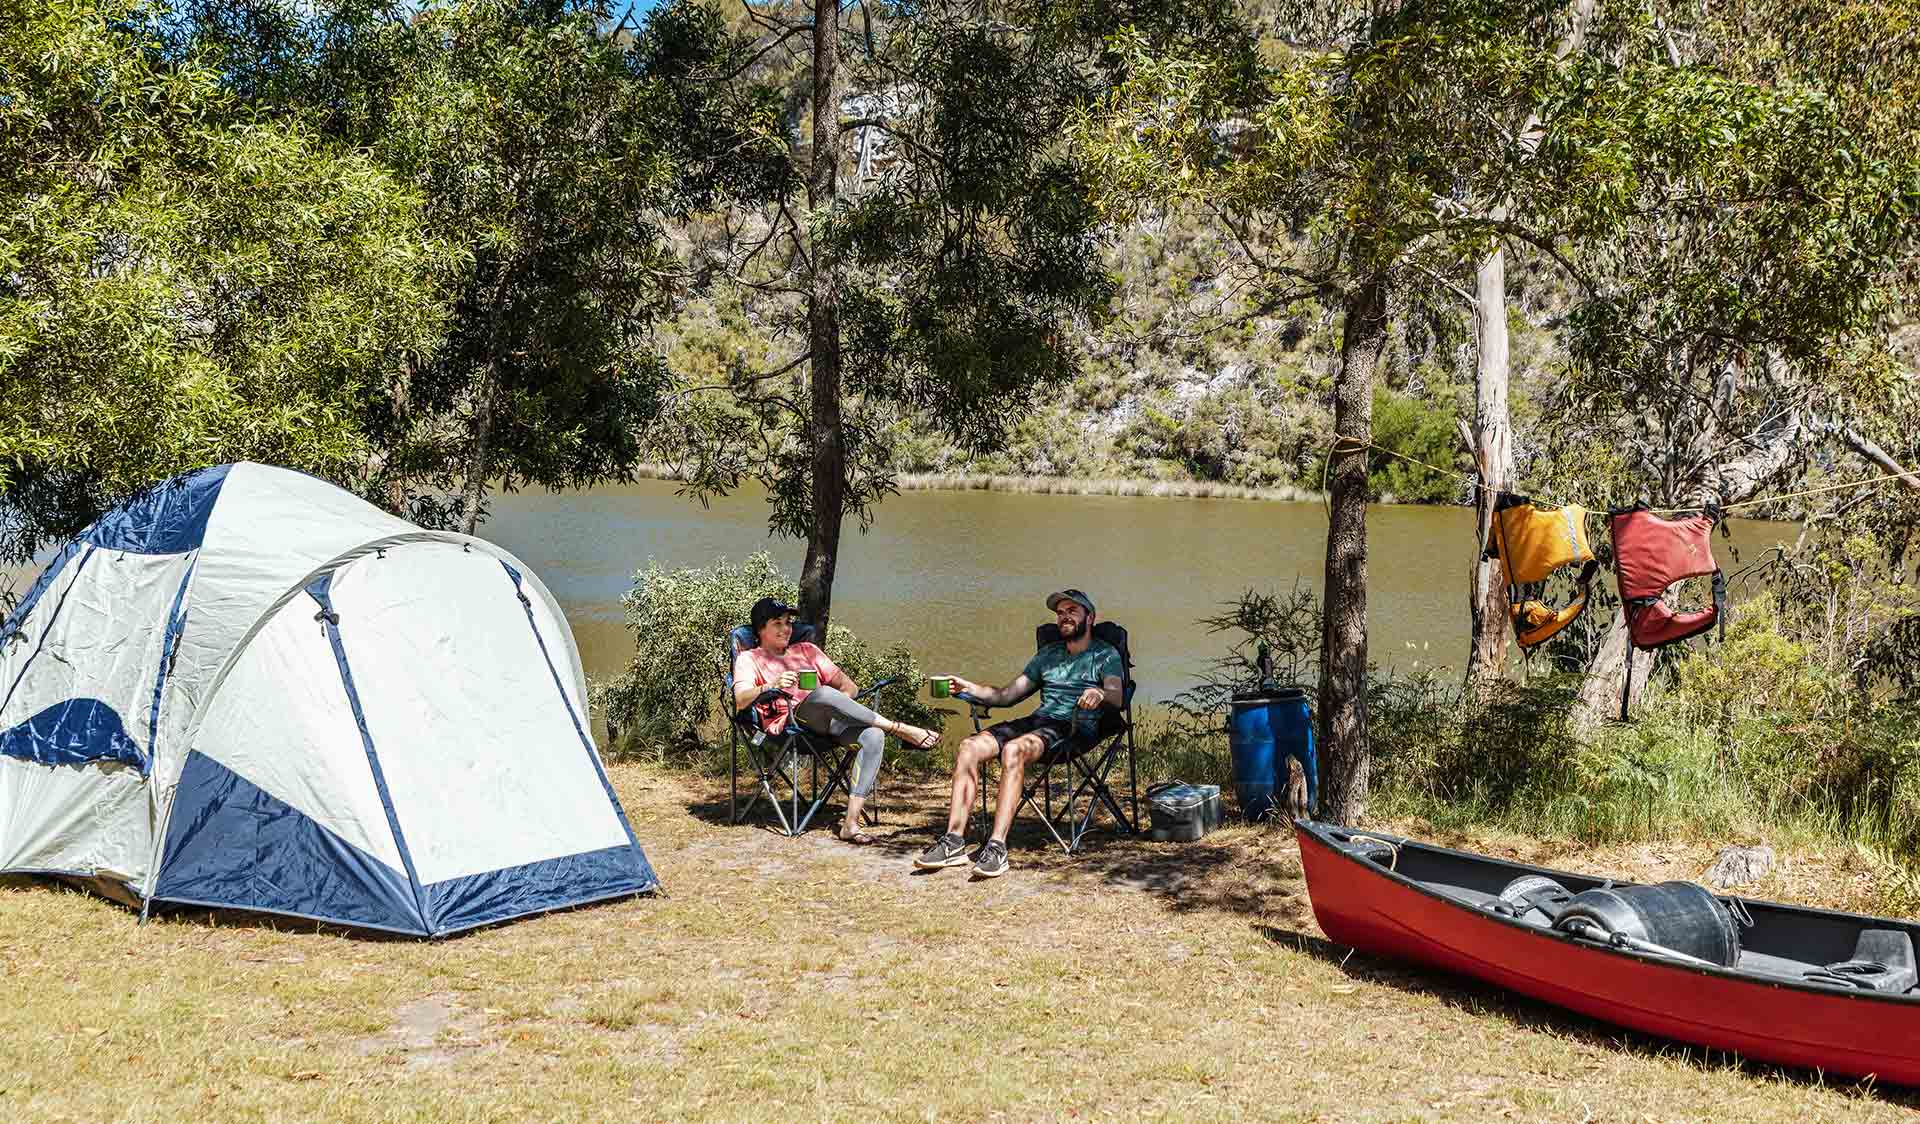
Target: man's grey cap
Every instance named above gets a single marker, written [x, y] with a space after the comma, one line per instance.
[1073, 595]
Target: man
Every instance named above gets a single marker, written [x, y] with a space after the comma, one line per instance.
[1076, 676]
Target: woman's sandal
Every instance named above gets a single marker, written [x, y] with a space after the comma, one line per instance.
[858, 838]
[926, 739]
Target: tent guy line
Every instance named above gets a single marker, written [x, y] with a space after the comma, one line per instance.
[1341, 443]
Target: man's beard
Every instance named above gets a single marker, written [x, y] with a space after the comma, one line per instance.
[1078, 630]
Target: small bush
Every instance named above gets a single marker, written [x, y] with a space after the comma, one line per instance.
[1422, 429]
[667, 701]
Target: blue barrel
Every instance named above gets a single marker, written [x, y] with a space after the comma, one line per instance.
[1265, 730]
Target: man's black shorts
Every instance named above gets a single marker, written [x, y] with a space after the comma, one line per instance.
[1051, 731]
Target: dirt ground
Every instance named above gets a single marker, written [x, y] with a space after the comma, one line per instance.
[807, 979]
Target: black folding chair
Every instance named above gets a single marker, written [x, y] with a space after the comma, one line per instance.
[790, 762]
[1085, 759]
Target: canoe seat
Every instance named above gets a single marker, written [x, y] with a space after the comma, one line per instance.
[1882, 961]
[1476, 898]
[1776, 967]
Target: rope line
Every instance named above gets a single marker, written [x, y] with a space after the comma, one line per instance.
[1343, 443]
[1868, 482]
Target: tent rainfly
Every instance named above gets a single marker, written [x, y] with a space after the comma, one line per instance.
[247, 688]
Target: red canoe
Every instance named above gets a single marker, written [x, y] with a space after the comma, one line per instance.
[1802, 987]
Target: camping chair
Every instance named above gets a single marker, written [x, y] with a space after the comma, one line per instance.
[790, 762]
[1085, 759]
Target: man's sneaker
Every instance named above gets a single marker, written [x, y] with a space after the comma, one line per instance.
[991, 860]
[948, 850]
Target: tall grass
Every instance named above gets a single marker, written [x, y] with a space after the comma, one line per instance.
[1098, 486]
[1064, 485]
[1678, 771]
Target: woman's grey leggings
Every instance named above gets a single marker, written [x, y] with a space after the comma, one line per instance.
[829, 711]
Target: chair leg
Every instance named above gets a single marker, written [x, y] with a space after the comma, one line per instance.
[1088, 780]
[1045, 815]
[768, 768]
[985, 815]
[1133, 776]
[836, 781]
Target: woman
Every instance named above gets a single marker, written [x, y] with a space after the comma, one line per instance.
[829, 709]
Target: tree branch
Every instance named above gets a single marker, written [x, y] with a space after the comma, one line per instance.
[849, 124]
[1859, 443]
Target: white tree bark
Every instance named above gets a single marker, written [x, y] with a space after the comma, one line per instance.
[1492, 438]
[1492, 448]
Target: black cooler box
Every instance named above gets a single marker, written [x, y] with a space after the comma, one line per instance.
[1182, 813]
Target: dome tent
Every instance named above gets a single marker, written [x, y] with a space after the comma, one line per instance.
[247, 688]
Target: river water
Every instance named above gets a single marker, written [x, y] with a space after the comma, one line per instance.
[961, 576]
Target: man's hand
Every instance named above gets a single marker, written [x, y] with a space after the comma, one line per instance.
[1092, 698]
[966, 686]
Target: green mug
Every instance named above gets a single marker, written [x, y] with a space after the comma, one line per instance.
[809, 679]
[941, 686]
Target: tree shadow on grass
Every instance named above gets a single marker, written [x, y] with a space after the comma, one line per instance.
[1483, 999]
[227, 917]
[1253, 873]
[1247, 873]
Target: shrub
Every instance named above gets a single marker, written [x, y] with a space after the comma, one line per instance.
[1419, 428]
[666, 702]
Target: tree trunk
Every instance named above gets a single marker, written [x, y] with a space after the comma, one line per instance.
[828, 491]
[1493, 455]
[403, 430]
[1492, 438]
[478, 470]
[476, 490]
[1600, 692]
[1343, 649]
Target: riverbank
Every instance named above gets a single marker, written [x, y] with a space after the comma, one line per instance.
[806, 978]
[1073, 486]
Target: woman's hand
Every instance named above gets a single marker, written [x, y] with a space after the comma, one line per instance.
[787, 680]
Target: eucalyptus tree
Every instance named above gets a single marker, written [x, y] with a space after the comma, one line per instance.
[182, 282]
[1761, 176]
[548, 154]
[1354, 169]
[913, 234]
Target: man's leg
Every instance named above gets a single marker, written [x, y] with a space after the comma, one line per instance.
[990, 861]
[1014, 759]
[951, 848]
[975, 751]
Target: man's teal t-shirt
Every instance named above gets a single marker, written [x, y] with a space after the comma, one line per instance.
[1063, 676]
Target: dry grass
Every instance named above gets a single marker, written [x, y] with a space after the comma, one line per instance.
[806, 979]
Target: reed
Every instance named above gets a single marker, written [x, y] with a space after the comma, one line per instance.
[1097, 486]
[1063, 486]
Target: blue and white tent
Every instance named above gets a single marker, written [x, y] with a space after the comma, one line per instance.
[248, 688]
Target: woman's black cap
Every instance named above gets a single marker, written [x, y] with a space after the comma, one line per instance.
[768, 608]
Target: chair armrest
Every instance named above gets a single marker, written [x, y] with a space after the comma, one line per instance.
[872, 687]
[980, 707]
[767, 696]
